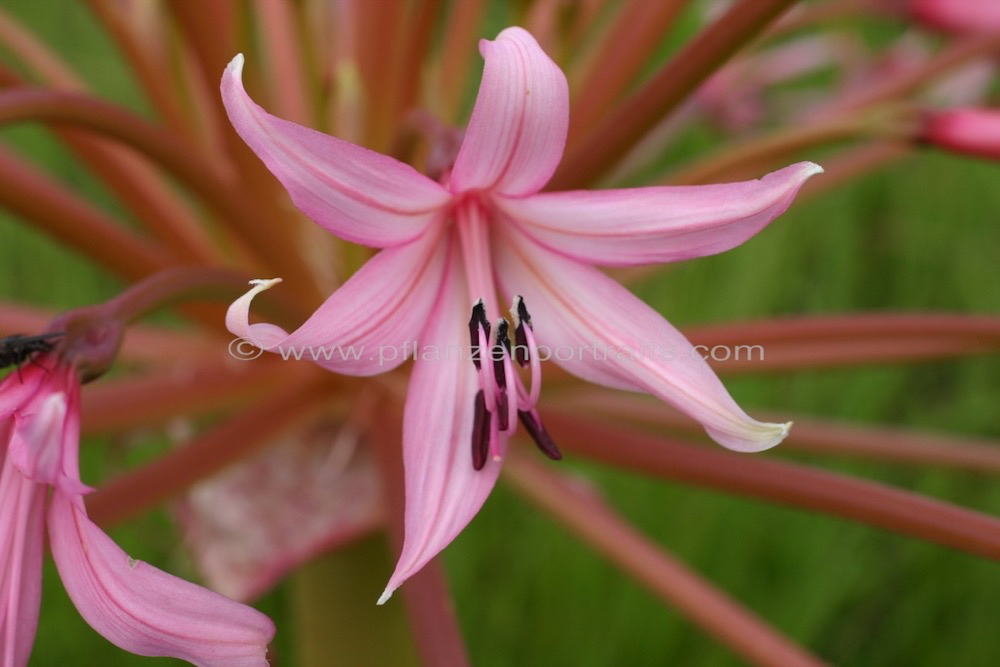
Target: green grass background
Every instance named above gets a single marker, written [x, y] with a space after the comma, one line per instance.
[921, 235]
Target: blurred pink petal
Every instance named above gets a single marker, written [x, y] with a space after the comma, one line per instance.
[357, 194]
[658, 224]
[250, 525]
[961, 16]
[971, 131]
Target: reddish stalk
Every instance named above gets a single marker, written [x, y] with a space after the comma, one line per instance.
[273, 227]
[809, 435]
[409, 70]
[206, 454]
[958, 326]
[241, 216]
[638, 29]
[598, 151]
[585, 514]
[426, 596]
[34, 53]
[114, 406]
[378, 53]
[149, 70]
[138, 187]
[456, 57]
[284, 60]
[753, 158]
[781, 482]
[586, 17]
[31, 195]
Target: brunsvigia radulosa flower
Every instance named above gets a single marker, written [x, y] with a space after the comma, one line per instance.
[278, 462]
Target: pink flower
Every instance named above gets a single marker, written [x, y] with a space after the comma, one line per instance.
[135, 606]
[481, 232]
[972, 131]
[959, 16]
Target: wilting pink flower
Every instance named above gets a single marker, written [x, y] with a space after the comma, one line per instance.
[482, 231]
[960, 16]
[972, 131]
[135, 606]
[257, 520]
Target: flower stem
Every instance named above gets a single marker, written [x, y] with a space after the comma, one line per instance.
[331, 617]
[584, 513]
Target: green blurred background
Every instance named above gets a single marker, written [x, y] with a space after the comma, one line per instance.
[920, 235]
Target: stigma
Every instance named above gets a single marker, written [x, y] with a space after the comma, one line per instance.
[502, 399]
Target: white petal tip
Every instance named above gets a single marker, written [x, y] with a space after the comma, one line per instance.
[236, 65]
[813, 169]
[385, 596]
[261, 284]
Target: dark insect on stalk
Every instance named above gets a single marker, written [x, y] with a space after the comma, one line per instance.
[17, 349]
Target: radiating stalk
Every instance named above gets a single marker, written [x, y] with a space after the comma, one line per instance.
[284, 61]
[638, 30]
[755, 157]
[619, 131]
[35, 54]
[786, 483]
[243, 216]
[455, 60]
[809, 435]
[118, 405]
[74, 221]
[584, 513]
[149, 72]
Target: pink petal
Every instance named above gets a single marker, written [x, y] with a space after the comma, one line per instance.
[357, 194]
[144, 610]
[656, 224]
[596, 329]
[370, 324]
[517, 132]
[443, 491]
[22, 514]
[971, 131]
[961, 16]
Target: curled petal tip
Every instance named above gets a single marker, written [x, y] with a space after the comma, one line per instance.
[813, 169]
[261, 284]
[386, 594]
[236, 65]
